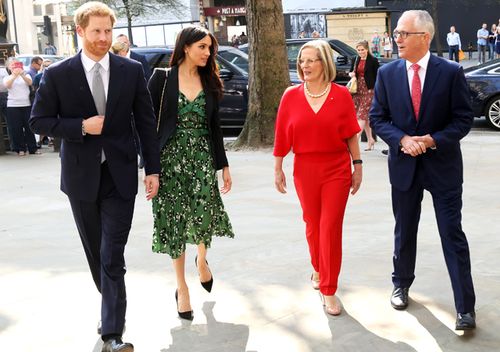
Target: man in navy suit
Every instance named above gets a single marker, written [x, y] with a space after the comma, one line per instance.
[82, 101]
[421, 109]
[136, 56]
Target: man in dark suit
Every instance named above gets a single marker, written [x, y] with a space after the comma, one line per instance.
[136, 56]
[421, 109]
[82, 100]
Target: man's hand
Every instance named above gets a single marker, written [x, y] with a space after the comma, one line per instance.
[416, 145]
[152, 183]
[93, 125]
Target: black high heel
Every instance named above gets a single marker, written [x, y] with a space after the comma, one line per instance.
[207, 285]
[183, 315]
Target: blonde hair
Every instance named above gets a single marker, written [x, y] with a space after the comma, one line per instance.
[325, 53]
[92, 8]
[118, 46]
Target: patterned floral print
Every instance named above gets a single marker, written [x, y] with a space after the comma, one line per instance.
[188, 208]
[363, 99]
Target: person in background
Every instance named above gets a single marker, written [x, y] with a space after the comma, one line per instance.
[387, 45]
[376, 40]
[83, 101]
[364, 68]
[422, 110]
[491, 41]
[497, 42]
[50, 49]
[189, 208]
[482, 43]
[243, 38]
[454, 44]
[36, 83]
[315, 34]
[136, 56]
[18, 84]
[470, 49]
[120, 48]
[317, 120]
[35, 66]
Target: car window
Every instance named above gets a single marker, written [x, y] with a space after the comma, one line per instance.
[235, 59]
[25, 60]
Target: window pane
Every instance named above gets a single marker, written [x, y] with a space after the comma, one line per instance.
[37, 10]
[155, 36]
[49, 9]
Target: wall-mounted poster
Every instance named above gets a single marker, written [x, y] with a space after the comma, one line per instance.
[308, 25]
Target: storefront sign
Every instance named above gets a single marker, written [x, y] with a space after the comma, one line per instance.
[225, 11]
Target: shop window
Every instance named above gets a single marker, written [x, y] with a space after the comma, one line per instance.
[49, 9]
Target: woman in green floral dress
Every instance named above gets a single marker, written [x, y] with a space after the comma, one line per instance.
[188, 208]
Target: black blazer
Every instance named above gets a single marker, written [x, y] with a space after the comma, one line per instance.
[169, 110]
[371, 68]
[62, 102]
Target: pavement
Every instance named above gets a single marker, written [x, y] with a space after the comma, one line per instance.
[262, 299]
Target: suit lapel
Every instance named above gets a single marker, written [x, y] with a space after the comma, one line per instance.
[431, 77]
[77, 75]
[117, 75]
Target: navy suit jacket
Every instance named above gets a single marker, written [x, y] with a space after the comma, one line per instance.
[144, 62]
[445, 114]
[62, 102]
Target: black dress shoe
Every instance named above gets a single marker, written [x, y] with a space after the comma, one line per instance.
[207, 285]
[466, 321]
[399, 298]
[183, 315]
[117, 345]
[385, 151]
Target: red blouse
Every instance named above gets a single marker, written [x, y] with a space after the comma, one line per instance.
[360, 71]
[327, 131]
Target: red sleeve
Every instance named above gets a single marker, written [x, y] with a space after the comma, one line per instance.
[282, 130]
[349, 125]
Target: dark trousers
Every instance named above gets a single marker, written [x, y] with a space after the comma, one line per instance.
[453, 52]
[21, 137]
[481, 50]
[104, 226]
[447, 207]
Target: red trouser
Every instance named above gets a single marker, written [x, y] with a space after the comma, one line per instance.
[323, 181]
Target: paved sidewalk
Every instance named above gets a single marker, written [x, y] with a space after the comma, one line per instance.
[262, 300]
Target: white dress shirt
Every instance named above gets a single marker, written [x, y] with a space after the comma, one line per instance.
[88, 65]
[454, 39]
[423, 63]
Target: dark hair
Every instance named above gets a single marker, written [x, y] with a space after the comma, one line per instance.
[36, 59]
[210, 72]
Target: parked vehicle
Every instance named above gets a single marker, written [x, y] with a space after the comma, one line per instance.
[233, 65]
[26, 59]
[484, 85]
[343, 56]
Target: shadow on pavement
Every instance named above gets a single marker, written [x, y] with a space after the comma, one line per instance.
[224, 337]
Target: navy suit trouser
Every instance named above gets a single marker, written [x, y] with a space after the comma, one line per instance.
[447, 207]
[104, 226]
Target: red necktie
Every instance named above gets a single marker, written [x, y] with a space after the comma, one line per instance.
[416, 90]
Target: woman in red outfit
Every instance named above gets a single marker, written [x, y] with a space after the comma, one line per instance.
[318, 121]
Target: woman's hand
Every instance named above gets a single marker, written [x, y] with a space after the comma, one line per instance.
[280, 180]
[357, 176]
[226, 177]
[352, 74]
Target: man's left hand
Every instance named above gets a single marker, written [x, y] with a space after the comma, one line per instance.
[152, 183]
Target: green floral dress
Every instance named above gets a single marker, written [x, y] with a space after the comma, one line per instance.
[188, 208]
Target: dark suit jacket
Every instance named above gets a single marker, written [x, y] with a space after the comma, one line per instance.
[168, 114]
[62, 102]
[371, 68]
[445, 114]
[144, 62]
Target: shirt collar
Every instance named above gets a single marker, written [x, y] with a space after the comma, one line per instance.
[423, 62]
[88, 63]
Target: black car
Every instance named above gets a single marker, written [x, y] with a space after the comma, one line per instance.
[233, 65]
[343, 56]
[484, 85]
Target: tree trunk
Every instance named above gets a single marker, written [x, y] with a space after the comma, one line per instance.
[437, 37]
[129, 21]
[268, 72]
